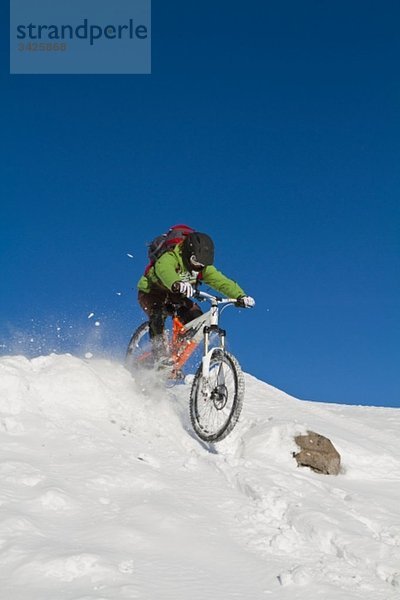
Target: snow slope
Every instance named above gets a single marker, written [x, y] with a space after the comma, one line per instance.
[106, 494]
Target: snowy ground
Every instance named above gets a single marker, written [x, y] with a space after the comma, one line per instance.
[107, 495]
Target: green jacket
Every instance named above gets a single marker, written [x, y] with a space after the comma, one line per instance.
[170, 268]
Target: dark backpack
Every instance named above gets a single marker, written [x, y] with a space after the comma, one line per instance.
[162, 243]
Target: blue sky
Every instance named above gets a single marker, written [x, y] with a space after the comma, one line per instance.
[274, 127]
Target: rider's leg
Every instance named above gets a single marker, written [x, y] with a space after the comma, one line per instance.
[188, 311]
[184, 308]
[153, 304]
[157, 304]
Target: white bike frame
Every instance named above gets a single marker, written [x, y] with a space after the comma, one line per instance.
[209, 323]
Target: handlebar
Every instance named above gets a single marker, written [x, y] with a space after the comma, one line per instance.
[214, 299]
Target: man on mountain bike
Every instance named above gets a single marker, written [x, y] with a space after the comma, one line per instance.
[171, 281]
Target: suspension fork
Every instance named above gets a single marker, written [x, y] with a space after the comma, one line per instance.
[209, 352]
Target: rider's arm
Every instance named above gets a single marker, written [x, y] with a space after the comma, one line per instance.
[218, 281]
[166, 268]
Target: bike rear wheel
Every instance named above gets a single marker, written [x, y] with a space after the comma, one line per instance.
[139, 352]
[216, 401]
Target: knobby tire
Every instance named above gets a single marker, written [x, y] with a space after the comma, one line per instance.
[210, 420]
[134, 346]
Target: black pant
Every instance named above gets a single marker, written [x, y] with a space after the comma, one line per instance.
[159, 303]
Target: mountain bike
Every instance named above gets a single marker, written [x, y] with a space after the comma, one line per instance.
[217, 391]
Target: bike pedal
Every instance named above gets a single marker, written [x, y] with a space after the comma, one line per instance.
[165, 363]
[177, 375]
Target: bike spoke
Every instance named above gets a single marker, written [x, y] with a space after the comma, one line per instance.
[216, 401]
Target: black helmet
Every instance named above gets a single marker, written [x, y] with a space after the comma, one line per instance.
[197, 251]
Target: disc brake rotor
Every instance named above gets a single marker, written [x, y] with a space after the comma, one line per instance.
[219, 396]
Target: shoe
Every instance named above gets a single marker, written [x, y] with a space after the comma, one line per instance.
[167, 366]
[164, 364]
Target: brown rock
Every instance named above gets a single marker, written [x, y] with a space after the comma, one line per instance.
[318, 453]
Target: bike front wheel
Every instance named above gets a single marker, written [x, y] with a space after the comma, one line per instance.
[216, 401]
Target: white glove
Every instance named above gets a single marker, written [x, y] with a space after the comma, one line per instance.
[246, 301]
[184, 288]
